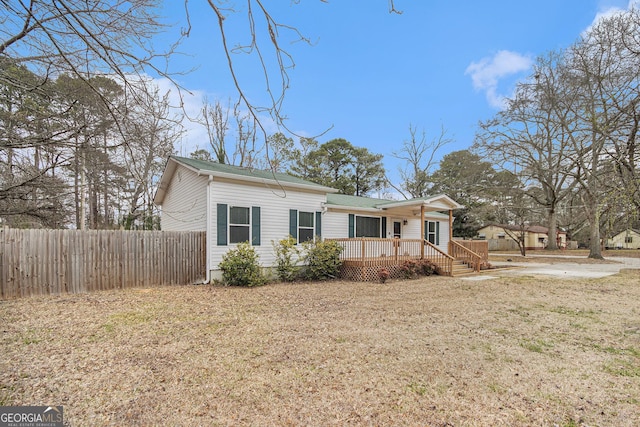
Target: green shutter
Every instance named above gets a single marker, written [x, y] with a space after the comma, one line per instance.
[255, 226]
[437, 233]
[352, 226]
[384, 227]
[426, 231]
[293, 223]
[319, 224]
[222, 224]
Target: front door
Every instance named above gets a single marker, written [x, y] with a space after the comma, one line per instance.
[397, 229]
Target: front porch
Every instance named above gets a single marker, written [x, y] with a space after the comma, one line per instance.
[362, 258]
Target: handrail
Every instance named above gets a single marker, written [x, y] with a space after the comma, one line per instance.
[466, 255]
[480, 247]
[437, 249]
[443, 260]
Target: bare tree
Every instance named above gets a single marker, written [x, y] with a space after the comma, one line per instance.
[151, 131]
[596, 73]
[419, 155]
[532, 136]
[215, 118]
[246, 137]
[83, 41]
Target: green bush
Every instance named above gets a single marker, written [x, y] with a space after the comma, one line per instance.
[287, 254]
[240, 267]
[322, 259]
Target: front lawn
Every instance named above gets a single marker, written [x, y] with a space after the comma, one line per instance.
[435, 351]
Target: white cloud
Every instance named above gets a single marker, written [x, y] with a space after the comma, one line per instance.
[608, 11]
[487, 73]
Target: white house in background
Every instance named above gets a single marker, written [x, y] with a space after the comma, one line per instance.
[627, 239]
[233, 205]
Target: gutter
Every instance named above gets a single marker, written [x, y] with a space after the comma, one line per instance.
[352, 208]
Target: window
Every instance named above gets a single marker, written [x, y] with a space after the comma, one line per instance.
[431, 232]
[305, 226]
[628, 239]
[367, 226]
[239, 225]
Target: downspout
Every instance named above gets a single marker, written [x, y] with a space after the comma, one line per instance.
[422, 230]
[209, 232]
[450, 227]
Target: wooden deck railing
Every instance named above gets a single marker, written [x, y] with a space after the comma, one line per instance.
[466, 255]
[443, 260]
[368, 249]
[376, 251]
[480, 247]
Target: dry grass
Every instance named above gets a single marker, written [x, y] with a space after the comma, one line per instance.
[630, 253]
[438, 351]
[541, 258]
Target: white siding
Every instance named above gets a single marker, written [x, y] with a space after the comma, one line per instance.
[412, 230]
[184, 207]
[274, 212]
[335, 225]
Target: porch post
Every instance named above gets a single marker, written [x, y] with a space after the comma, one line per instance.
[422, 231]
[450, 225]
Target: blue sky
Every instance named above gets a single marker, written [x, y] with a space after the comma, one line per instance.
[370, 74]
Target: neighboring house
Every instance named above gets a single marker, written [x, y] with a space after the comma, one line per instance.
[535, 236]
[233, 204]
[627, 239]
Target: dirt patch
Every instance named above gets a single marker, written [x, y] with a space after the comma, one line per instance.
[514, 351]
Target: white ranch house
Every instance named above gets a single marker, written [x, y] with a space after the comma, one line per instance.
[233, 204]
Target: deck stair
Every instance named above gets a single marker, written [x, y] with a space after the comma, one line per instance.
[461, 268]
[458, 269]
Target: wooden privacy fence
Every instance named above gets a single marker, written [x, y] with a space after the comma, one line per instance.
[41, 262]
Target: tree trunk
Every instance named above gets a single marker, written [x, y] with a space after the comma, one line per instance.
[595, 249]
[552, 240]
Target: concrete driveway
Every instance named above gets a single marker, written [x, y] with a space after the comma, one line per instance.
[564, 267]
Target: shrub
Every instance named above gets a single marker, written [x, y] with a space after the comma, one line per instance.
[240, 267]
[486, 265]
[383, 274]
[414, 268]
[286, 258]
[427, 267]
[322, 259]
[409, 269]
